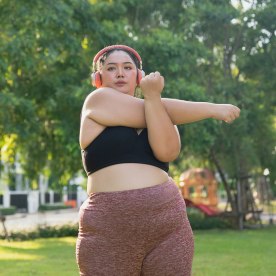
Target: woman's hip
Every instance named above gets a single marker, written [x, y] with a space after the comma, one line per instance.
[132, 208]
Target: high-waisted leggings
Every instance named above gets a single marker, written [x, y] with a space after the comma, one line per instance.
[135, 232]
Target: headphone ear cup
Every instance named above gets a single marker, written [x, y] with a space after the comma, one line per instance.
[96, 79]
[140, 75]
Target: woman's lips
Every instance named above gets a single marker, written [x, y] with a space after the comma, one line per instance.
[120, 83]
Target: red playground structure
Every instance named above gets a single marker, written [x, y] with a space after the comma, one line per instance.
[199, 190]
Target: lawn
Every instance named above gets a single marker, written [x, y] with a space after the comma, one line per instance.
[47, 257]
[235, 253]
[217, 253]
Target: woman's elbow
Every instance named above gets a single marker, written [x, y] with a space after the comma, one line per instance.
[168, 155]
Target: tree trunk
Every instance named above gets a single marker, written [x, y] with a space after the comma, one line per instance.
[224, 181]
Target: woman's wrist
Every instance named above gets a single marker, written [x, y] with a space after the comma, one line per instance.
[151, 96]
[212, 110]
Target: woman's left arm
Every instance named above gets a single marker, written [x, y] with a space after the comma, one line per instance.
[163, 135]
[184, 112]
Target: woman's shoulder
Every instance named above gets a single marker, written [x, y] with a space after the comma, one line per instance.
[99, 95]
[101, 92]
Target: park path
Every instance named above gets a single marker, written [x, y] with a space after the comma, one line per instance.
[22, 221]
[28, 222]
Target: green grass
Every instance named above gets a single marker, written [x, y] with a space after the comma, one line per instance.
[235, 253]
[217, 253]
[47, 257]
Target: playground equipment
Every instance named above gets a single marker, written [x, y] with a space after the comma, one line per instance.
[205, 209]
[199, 189]
[249, 195]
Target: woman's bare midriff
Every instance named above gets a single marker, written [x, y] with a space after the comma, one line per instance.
[122, 177]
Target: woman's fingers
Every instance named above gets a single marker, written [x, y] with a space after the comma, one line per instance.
[232, 113]
[152, 83]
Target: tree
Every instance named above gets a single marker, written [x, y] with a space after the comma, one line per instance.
[43, 69]
[206, 50]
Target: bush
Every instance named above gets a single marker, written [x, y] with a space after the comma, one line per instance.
[7, 211]
[51, 207]
[44, 232]
[199, 221]
[62, 231]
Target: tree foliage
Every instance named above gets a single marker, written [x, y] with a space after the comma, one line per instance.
[206, 50]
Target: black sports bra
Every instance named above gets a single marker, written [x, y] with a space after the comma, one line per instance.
[119, 144]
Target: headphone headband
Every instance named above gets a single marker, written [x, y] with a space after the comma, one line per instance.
[119, 47]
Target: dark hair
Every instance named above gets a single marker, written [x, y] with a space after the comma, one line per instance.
[102, 59]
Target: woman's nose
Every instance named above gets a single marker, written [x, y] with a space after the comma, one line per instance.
[120, 72]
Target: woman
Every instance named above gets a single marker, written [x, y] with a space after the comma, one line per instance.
[134, 221]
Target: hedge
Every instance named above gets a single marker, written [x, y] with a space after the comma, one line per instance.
[50, 207]
[7, 211]
[44, 232]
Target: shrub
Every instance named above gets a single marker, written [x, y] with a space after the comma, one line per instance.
[50, 207]
[199, 221]
[44, 232]
[7, 211]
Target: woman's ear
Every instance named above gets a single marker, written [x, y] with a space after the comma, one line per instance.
[96, 79]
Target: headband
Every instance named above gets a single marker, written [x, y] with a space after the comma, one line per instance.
[114, 47]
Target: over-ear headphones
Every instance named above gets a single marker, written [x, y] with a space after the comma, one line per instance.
[96, 76]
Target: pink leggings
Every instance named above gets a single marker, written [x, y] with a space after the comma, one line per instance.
[135, 232]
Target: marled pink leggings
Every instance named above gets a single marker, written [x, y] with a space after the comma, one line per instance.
[135, 232]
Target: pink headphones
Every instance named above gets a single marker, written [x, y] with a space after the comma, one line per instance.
[96, 76]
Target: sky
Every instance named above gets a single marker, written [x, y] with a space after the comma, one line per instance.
[246, 3]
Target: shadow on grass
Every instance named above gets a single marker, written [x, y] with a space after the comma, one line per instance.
[53, 256]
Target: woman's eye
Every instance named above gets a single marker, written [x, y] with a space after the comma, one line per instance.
[128, 67]
[110, 68]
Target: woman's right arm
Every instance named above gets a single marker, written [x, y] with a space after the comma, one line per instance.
[109, 107]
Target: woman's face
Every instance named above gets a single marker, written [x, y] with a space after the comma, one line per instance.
[119, 72]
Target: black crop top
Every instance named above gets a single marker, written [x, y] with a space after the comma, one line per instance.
[119, 144]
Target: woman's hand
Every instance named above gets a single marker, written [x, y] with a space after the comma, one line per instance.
[225, 112]
[163, 136]
[152, 85]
